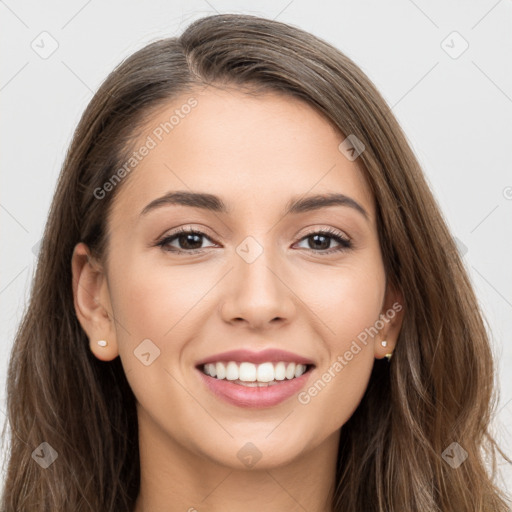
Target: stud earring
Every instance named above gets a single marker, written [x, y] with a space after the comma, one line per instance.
[102, 343]
[384, 343]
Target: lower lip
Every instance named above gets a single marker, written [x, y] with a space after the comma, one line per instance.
[243, 396]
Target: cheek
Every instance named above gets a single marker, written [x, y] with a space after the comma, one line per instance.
[342, 377]
[348, 300]
[352, 301]
[337, 389]
[151, 299]
[158, 303]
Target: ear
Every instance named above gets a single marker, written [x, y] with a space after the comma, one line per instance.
[92, 303]
[391, 316]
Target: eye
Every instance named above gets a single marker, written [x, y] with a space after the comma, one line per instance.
[322, 240]
[189, 241]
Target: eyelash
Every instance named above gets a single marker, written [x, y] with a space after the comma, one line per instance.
[330, 233]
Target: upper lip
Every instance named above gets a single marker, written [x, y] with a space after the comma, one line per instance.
[269, 355]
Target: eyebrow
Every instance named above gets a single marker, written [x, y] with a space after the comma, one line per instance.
[214, 203]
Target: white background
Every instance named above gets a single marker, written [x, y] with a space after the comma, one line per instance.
[456, 112]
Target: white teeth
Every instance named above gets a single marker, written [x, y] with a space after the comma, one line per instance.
[290, 371]
[211, 369]
[280, 371]
[231, 371]
[252, 373]
[247, 372]
[299, 370]
[265, 372]
[220, 371]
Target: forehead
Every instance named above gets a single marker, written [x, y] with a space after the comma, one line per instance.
[253, 151]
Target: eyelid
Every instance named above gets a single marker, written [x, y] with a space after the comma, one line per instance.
[311, 230]
[203, 230]
[344, 241]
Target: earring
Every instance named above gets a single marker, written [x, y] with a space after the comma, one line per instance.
[384, 343]
[102, 343]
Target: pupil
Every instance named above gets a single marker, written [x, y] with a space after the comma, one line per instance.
[316, 237]
[188, 236]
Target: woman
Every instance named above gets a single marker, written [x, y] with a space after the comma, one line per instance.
[324, 351]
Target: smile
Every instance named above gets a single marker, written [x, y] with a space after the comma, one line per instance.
[252, 375]
[249, 385]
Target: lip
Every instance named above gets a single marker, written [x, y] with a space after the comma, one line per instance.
[255, 397]
[269, 355]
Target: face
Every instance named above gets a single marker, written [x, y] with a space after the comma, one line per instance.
[251, 276]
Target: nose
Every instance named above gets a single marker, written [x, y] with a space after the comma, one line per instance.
[257, 293]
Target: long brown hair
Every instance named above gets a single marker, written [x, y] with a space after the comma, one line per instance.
[437, 390]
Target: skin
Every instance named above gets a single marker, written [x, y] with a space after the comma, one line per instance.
[255, 152]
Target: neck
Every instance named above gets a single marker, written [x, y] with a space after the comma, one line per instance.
[174, 479]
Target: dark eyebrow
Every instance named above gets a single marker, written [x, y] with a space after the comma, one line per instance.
[185, 198]
[216, 204]
[309, 203]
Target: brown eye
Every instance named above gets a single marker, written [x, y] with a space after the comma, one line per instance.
[322, 241]
[188, 240]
